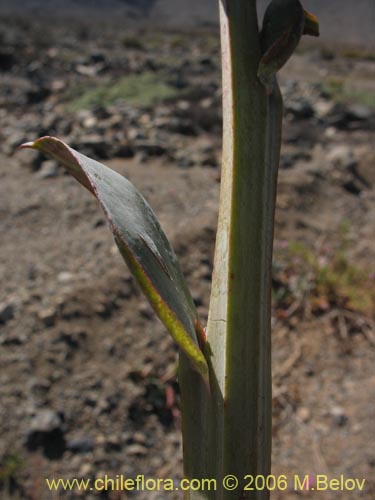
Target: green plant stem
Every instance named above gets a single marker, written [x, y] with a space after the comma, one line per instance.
[228, 430]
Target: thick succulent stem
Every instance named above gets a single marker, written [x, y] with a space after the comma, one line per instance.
[228, 430]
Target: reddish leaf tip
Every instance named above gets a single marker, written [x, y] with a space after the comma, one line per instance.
[27, 145]
[36, 144]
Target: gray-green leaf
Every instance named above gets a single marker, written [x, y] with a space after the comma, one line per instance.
[141, 241]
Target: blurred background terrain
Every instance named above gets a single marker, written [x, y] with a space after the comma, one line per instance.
[341, 20]
[87, 373]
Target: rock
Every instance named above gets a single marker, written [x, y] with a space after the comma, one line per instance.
[81, 445]
[135, 134]
[184, 161]
[198, 300]
[94, 145]
[205, 157]
[113, 443]
[97, 57]
[32, 160]
[99, 222]
[151, 149]
[359, 112]
[90, 122]
[37, 94]
[47, 316]
[47, 432]
[73, 339]
[301, 134]
[13, 338]
[48, 170]
[353, 186]
[90, 398]
[89, 70]
[146, 310]
[101, 112]
[209, 160]
[176, 125]
[14, 140]
[363, 170]
[303, 414]
[85, 470]
[58, 85]
[7, 310]
[138, 437]
[123, 150]
[136, 450]
[106, 404]
[323, 107]
[7, 60]
[65, 277]
[288, 160]
[39, 387]
[352, 117]
[339, 416]
[300, 110]
[46, 421]
[207, 62]
[340, 155]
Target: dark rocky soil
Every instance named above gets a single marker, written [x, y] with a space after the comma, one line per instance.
[87, 372]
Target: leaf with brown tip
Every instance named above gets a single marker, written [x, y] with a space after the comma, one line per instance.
[141, 241]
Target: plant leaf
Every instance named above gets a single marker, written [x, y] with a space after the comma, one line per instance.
[141, 241]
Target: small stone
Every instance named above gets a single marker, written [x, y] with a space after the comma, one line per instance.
[323, 107]
[364, 169]
[101, 113]
[13, 142]
[106, 405]
[113, 443]
[301, 109]
[47, 316]
[97, 57]
[58, 85]
[339, 416]
[33, 160]
[198, 300]
[90, 122]
[340, 155]
[352, 117]
[151, 149]
[37, 94]
[123, 150]
[46, 421]
[48, 170]
[7, 311]
[353, 186]
[208, 160]
[136, 450]
[85, 470]
[185, 162]
[100, 439]
[303, 414]
[135, 134]
[88, 70]
[146, 310]
[47, 432]
[139, 437]
[359, 112]
[81, 445]
[7, 60]
[65, 277]
[287, 161]
[94, 145]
